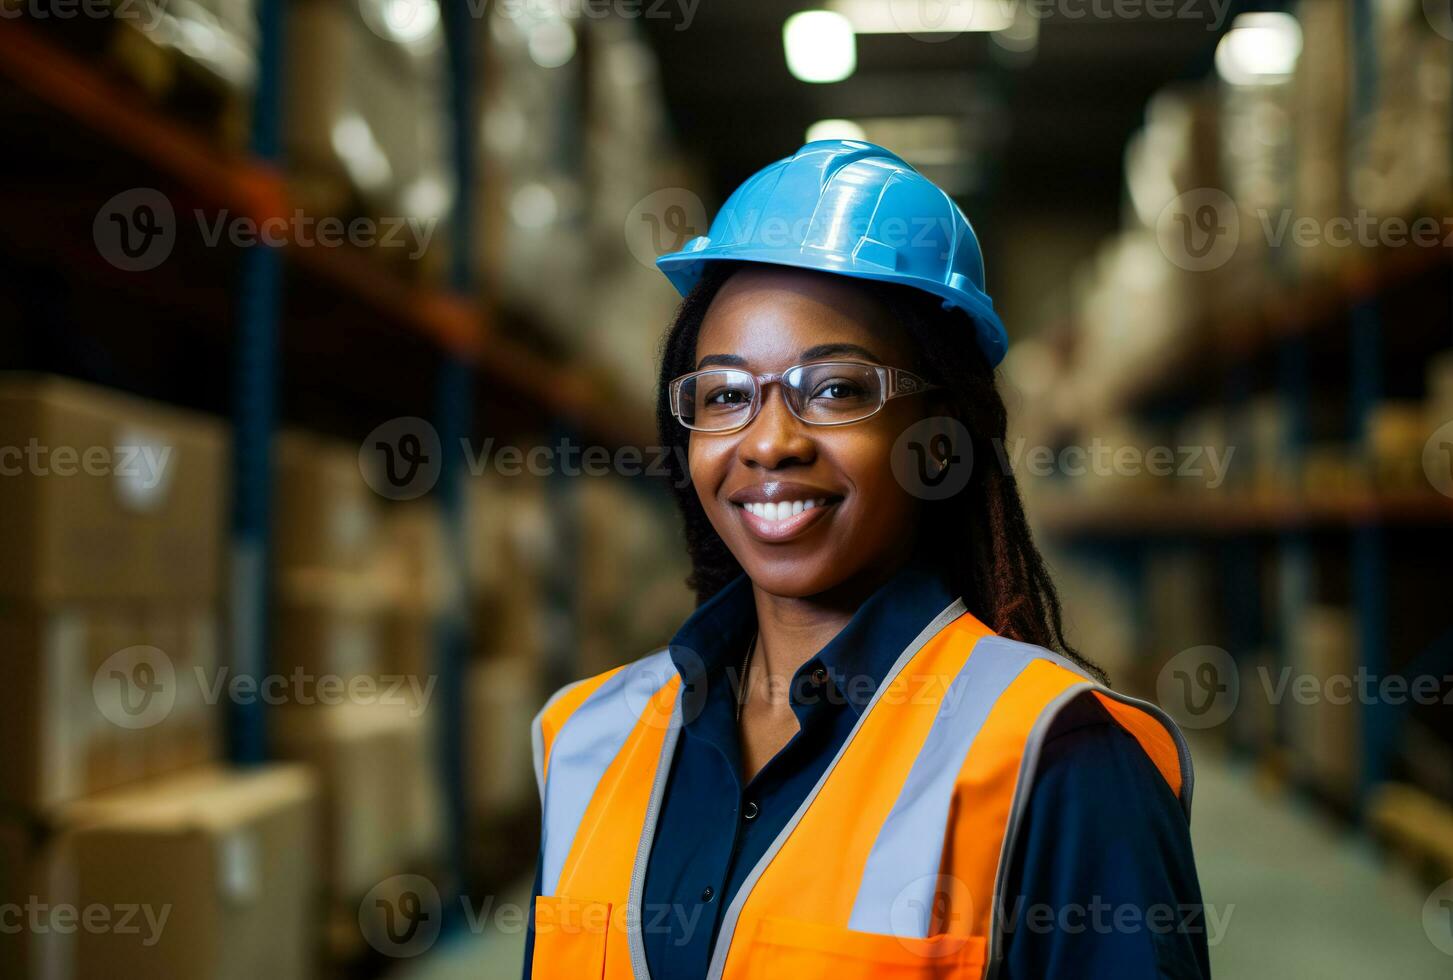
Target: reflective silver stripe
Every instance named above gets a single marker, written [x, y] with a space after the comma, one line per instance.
[895, 895]
[723, 945]
[1027, 766]
[586, 745]
[537, 737]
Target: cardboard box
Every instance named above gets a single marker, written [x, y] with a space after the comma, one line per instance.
[503, 698]
[105, 496]
[326, 624]
[419, 784]
[360, 754]
[1325, 720]
[205, 875]
[512, 543]
[224, 856]
[414, 564]
[408, 646]
[100, 695]
[326, 515]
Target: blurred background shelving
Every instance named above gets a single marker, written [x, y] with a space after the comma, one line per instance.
[276, 363]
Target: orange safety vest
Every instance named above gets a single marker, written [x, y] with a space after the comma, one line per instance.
[917, 815]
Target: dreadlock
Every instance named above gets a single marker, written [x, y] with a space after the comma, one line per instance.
[985, 543]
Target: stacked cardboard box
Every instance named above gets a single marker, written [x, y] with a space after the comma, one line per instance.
[632, 571]
[1320, 97]
[512, 541]
[1400, 161]
[357, 586]
[1322, 700]
[366, 122]
[111, 515]
[192, 875]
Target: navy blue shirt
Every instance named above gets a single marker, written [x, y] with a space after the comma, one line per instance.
[1103, 866]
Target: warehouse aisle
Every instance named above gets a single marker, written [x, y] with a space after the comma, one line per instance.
[1295, 895]
[1300, 897]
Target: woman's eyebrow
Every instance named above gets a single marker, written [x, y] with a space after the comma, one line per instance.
[832, 350]
[730, 360]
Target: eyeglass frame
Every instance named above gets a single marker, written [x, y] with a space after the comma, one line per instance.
[895, 383]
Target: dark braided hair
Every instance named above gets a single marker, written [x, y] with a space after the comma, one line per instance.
[981, 536]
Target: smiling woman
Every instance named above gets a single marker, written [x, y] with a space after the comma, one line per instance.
[869, 751]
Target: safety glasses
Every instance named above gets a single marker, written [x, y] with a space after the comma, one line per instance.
[819, 393]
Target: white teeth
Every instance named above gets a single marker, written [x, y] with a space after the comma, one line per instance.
[782, 509]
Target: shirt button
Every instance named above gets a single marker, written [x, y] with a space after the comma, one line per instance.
[819, 676]
[707, 893]
[749, 812]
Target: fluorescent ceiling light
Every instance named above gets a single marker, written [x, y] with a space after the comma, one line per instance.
[1259, 49]
[924, 16]
[820, 46]
[835, 129]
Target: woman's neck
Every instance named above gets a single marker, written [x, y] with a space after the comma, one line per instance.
[792, 629]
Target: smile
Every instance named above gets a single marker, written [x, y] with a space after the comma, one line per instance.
[781, 520]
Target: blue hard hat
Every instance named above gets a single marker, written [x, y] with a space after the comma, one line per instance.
[855, 209]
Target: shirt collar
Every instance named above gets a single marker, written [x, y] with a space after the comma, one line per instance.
[714, 638]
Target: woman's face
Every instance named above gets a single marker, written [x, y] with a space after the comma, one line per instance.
[764, 320]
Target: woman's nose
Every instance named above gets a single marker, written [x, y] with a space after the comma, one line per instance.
[776, 437]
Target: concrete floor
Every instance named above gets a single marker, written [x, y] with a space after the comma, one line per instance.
[1297, 898]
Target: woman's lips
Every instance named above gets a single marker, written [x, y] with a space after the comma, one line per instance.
[783, 520]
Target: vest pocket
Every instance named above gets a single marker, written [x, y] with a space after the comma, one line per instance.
[786, 947]
[570, 938]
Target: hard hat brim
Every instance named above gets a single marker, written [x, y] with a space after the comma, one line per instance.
[685, 269]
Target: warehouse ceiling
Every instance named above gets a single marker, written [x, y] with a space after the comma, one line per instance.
[1046, 129]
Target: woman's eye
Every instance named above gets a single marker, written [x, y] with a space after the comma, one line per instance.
[838, 389]
[726, 396]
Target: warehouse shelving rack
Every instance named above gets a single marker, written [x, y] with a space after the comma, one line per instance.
[271, 294]
[1353, 317]
[1120, 533]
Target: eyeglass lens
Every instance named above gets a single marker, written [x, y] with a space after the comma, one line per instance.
[828, 393]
